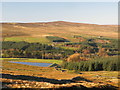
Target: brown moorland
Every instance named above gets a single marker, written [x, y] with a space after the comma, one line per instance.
[58, 28]
[26, 76]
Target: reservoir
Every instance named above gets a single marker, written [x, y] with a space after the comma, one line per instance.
[33, 64]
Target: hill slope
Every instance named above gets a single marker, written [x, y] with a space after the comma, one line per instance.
[58, 28]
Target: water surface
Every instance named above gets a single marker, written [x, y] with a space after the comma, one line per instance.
[33, 64]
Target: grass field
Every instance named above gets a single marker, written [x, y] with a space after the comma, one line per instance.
[28, 39]
[70, 48]
[34, 60]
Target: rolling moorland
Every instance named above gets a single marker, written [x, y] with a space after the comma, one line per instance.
[87, 55]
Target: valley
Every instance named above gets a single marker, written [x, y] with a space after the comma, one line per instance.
[86, 53]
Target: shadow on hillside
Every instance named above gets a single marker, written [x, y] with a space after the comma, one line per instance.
[3, 84]
[55, 81]
[42, 79]
[66, 88]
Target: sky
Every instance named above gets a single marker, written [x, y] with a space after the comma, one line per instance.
[81, 12]
[60, 0]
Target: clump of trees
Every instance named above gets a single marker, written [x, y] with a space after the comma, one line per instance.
[98, 64]
[87, 49]
[57, 39]
[102, 52]
[90, 47]
[33, 50]
[76, 57]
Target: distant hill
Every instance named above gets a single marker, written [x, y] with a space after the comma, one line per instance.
[58, 28]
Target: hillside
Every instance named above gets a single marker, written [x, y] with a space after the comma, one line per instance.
[58, 28]
[87, 55]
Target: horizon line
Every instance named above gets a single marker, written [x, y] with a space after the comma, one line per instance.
[53, 21]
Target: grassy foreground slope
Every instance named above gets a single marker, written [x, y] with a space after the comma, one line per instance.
[26, 76]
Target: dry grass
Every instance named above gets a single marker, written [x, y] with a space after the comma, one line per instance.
[48, 73]
[63, 29]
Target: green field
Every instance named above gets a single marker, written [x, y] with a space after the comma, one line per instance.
[33, 60]
[69, 48]
[28, 39]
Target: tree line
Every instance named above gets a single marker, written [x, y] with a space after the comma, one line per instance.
[33, 50]
[98, 64]
[88, 49]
